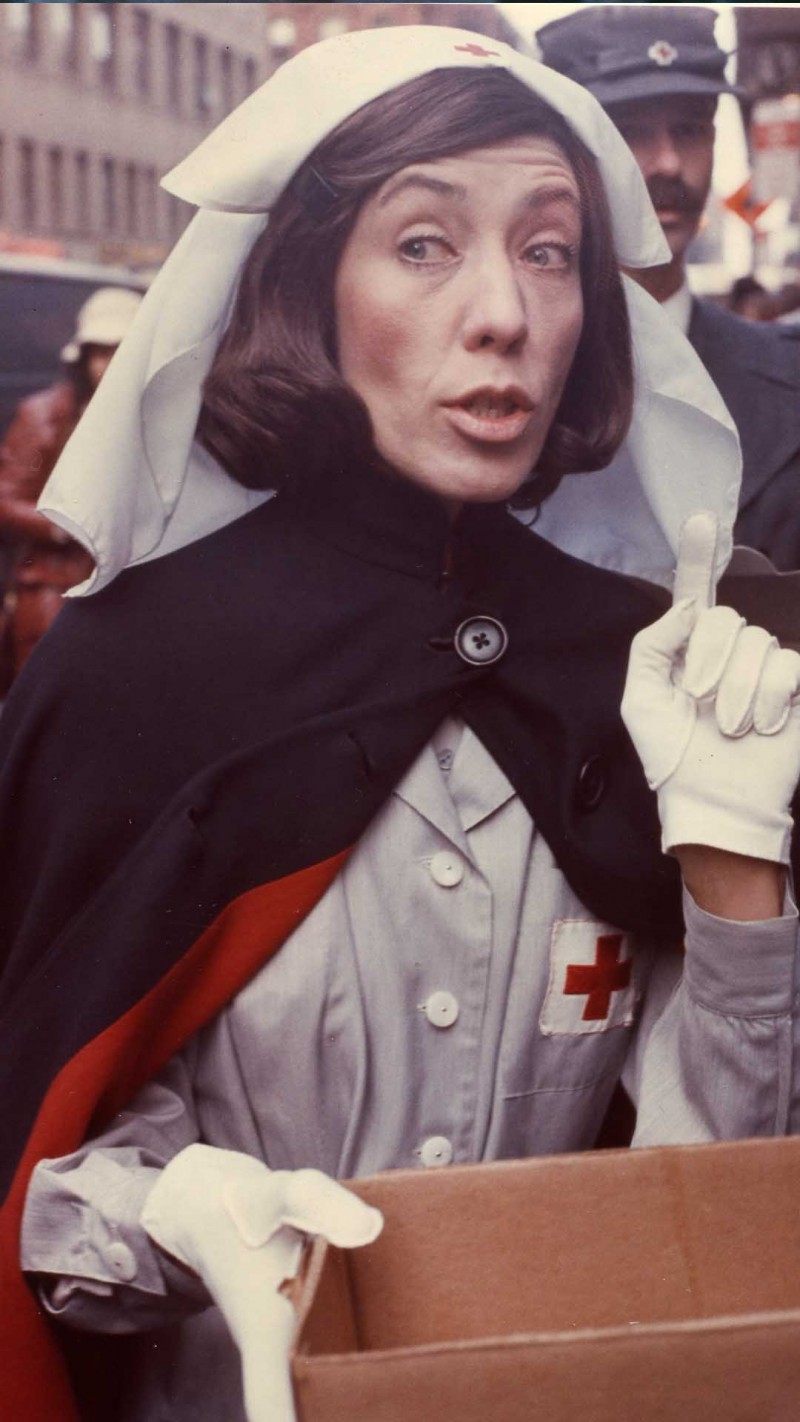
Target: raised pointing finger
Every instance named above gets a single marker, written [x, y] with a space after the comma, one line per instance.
[694, 573]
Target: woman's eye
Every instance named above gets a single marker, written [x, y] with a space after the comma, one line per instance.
[555, 256]
[424, 249]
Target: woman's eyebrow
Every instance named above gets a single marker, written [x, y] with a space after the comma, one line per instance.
[421, 180]
[553, 193]
[540, 197]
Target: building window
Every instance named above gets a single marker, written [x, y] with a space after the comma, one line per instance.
[203, 97]
[250, 74]
[23, 23]
[131, 200]
[109, 181]
[62, 19]
[27, 183]
[55, 183]
[82, 193]
[774, 67]
[151, 203]
[173, 39]
[226, 79]
[102, 44]
[142, 52]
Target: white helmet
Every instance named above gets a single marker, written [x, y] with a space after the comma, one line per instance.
[103, 320]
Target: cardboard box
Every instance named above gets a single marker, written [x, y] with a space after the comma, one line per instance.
[619, 1286]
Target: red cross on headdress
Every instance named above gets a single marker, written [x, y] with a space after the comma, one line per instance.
[478, 50]
[663, 53]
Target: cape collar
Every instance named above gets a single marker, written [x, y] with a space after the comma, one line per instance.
[383, 518]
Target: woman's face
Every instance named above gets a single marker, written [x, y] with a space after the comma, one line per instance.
[459, 308]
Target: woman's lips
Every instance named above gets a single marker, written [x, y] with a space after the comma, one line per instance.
[494, 419]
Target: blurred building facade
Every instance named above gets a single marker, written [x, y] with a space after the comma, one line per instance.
[97, 102]
[768, 70]
[290, 27]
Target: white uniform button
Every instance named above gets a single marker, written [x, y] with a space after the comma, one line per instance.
[446, 869]
[122, 1261]
[481, 640]
[441, 1009]
[436, 1151]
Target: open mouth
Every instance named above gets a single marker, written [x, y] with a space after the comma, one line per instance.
[491, 415]
[486, 405]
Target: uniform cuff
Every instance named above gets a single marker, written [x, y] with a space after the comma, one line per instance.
[79, 1244]
[741, 969]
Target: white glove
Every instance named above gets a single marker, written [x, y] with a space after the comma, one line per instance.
[240, 1226]
[713, 708]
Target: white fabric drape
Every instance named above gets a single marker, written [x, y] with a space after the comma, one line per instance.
[131, 485]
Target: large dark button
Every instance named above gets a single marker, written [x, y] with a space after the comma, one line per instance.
[481, 640]
[591, 784]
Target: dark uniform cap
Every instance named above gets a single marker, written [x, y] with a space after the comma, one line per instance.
[622, 52]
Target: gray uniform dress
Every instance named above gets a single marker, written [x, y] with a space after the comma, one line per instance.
[449, 999]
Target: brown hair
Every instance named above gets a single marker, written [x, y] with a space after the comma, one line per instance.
[274, 401]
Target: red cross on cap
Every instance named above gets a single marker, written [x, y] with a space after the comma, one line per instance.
[598, 980]
[662, 52]
[478, 50]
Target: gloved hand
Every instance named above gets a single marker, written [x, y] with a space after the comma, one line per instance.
[239, 1226]
[713, 708]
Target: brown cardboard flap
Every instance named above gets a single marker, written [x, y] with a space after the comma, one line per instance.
[569, 1242]
[620, 1286]
[740, 1370]
[326, 1321]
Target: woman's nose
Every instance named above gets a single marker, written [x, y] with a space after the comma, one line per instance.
[495, 312]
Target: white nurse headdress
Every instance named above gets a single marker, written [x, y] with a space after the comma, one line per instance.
[132, 484]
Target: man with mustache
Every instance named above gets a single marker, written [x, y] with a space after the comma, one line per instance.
[658, 72]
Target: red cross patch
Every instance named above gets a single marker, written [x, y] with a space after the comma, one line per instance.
[592, 982]
[476, 49]
[662, 53]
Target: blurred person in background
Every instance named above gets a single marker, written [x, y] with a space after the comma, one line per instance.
[658, 72]
[42, 560]
[749, 298]
[789, 304]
